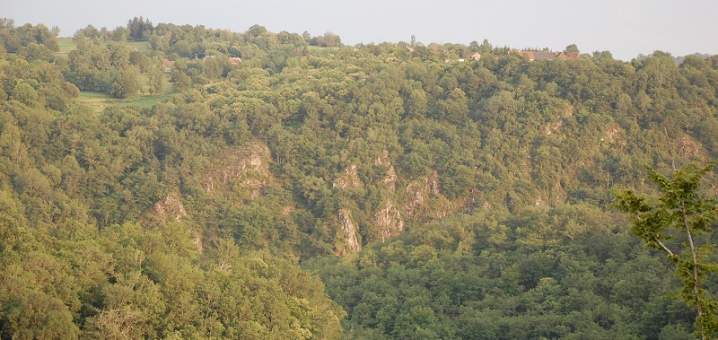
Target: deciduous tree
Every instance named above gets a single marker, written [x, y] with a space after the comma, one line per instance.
[679, 223]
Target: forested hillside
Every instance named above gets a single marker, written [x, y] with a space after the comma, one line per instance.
[167, 181]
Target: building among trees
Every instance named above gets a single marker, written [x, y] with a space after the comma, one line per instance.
[546, 54]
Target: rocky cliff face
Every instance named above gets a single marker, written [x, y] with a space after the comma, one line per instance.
[244, 170]
[688, 147]
[552, 128]
[420, 199]
[389, 221]
[349, 179]
[418, 193]
[614, 134]
[389, 180]
[347, 235]
[388, 218]
[170, 208]
[242, 174]
[239, 174]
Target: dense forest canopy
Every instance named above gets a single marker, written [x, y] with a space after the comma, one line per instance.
[176, 181]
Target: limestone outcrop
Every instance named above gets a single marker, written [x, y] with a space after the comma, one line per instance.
[240, 170]
[347, 234]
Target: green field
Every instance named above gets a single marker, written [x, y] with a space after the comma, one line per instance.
[142, 46]
[67, 45]
[99, 101]
[320, 49]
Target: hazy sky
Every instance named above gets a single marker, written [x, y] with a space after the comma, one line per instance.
[624, 27]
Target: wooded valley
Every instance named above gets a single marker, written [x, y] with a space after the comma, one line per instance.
[176, 181]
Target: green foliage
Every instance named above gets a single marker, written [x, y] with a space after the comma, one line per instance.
[680, 223]
[571, 48]
[116, 69]
[139, 29]
[14, 38]
[25, 93]
[326, 40]
[471, 199]
[125, 84]
[459, 279]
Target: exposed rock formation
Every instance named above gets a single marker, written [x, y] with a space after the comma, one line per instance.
[349, 179]
[169, 208]
[567, 111]
[552, 128]
[287, 210]
[246, 168]
[689, 148]
[197, 240]
[347, 235]
[389, 179]
[389, 221]
[613, 134]
[388, 218]
[419, 191]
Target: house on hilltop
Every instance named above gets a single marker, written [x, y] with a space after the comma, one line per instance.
[533, 55]
[475, 57]
[168, 65]
[546, 54]
[565, 55]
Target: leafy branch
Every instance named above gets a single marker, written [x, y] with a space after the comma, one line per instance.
[682, 212]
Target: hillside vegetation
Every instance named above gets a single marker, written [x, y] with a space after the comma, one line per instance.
[166, 181]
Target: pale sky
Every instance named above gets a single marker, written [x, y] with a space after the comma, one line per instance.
[624, 27]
